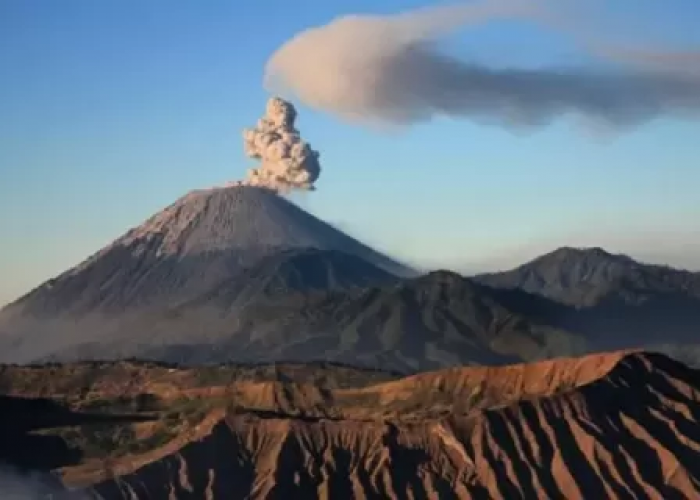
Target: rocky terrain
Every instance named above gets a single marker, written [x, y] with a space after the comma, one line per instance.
[79, 419]
[620, 425]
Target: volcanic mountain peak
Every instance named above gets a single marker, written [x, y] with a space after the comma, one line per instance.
[206, 239]
[211, 220]
[203, 238]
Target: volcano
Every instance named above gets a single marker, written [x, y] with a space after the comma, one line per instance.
[206, 239]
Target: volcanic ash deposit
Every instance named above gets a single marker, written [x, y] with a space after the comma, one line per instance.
[286, 161]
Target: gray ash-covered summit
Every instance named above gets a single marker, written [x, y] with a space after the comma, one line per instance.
[206, 239]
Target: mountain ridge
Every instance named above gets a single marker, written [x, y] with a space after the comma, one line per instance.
[304, 303]
[590, 427]
[426, 322]
[435, 320]
[587, 276]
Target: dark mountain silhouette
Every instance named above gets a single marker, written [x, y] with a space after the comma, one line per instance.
[590, 276]
[440, 319]
[436, 320]
[620, 302]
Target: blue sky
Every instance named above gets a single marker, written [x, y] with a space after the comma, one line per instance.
[110, 110]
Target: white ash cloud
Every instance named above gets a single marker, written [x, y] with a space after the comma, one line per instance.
[387, 69]
[286, 161]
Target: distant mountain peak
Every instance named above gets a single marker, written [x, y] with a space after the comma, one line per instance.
[584, 276]
[571, 253]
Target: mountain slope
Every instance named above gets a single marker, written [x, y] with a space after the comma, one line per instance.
[63, 417]
[620, 303]
[205, 240]
[614, 426]
[434, 321]
[295, 272]
[589, 276]
[200, 240]
[283, 309]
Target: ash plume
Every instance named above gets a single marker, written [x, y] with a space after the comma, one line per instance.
[286, 161]
[388, 69]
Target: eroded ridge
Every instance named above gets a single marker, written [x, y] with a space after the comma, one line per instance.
[630, 432]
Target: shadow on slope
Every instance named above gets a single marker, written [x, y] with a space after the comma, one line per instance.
[614, 323]
[23, 448]
[437, 320]
[632, 433]
[292, 272]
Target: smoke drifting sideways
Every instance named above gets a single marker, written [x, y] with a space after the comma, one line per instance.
[388, 70]
[286, 162]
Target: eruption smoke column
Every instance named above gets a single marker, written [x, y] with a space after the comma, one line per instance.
[287, 162]
[387, 69]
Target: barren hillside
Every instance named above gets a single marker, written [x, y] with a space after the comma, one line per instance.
[532, 432]
[621, 425]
